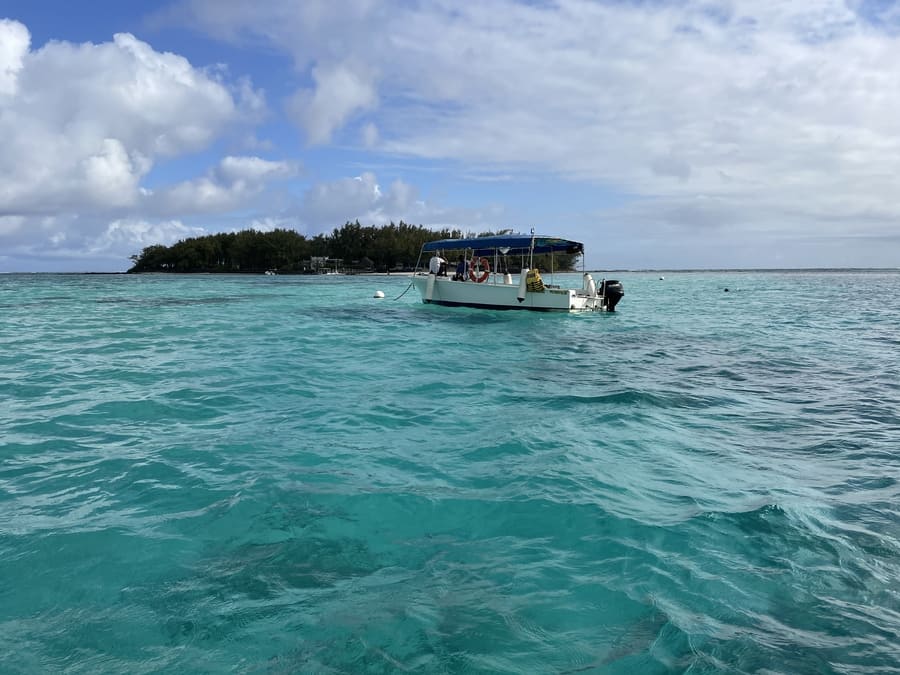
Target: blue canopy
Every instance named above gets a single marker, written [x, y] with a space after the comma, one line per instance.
[516, 243]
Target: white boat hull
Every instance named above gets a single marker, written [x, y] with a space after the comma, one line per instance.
[490, 295]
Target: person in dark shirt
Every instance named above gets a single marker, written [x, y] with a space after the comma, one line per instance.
[460, 269]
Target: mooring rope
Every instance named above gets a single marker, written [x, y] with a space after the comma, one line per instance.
[404, 292]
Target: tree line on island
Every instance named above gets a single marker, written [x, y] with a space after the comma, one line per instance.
[352, 248]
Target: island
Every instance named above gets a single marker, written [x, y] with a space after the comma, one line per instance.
[350, 249]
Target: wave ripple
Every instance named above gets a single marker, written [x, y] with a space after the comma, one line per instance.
[282, 474]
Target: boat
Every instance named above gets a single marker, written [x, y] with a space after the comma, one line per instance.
[480, 283]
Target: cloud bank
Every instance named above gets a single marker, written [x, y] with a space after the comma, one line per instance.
[759, 133]
[781, 111]
[84, 125]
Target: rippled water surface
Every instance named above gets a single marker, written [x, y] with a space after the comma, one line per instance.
[284, 474]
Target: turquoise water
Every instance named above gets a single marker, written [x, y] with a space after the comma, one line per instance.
[283, 474]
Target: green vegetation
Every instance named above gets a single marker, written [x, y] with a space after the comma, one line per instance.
[349, 248]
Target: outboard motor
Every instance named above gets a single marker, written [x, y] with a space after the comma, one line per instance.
[611, 291]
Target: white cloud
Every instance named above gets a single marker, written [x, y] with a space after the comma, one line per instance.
[232, 183]
[74, 243]
[329, 204]
[342, 200]
[313, 31]
[340, 92]
[14, 43]
[251, 169]
[84, 124]
[338, 42]
[746, 118]
[87, 122]
[108, 175]
[784, 108]
[126, 237]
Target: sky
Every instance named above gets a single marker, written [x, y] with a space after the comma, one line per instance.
[677, 134]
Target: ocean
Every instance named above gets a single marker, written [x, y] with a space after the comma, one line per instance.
[284, 474]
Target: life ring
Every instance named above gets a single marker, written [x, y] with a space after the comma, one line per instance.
[483, 265]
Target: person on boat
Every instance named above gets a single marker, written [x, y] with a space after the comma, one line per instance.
[460, 269]
[437, 265]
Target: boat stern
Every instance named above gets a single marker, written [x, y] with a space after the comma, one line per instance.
[611, 291]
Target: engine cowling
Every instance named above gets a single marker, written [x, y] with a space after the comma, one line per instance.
[611, 291]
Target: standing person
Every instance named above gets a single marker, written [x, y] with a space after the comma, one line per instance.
[437, 264]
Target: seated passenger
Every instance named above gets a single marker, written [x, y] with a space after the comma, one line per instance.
[437, 265]
[460, 269]
[533, 281]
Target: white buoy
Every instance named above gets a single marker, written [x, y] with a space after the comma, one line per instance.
[379, 294]
[523, 280]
